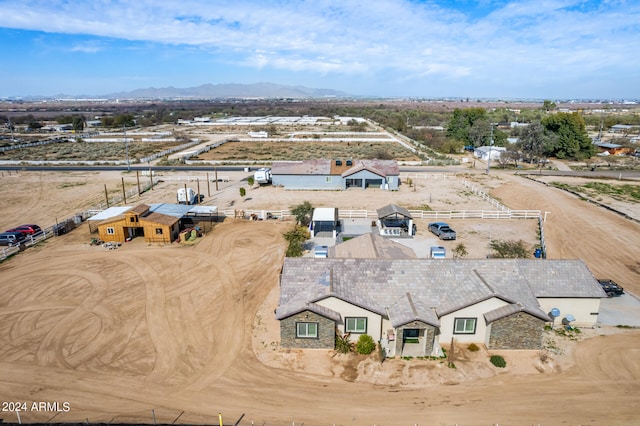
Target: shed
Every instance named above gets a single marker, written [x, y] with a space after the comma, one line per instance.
[324, 220]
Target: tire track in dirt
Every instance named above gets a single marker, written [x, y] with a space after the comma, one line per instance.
[50, 350]
[157, 322]
[606, 242]
[228, 329]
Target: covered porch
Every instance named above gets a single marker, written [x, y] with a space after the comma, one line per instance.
[395, 221]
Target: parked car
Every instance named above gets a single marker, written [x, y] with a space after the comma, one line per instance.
[611, 288]
[26, 229]
[11, 238]
[442, 230]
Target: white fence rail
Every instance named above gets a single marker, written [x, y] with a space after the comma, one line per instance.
[417, 214]
[484, 195]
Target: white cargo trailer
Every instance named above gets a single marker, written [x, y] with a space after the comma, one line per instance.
[262, 176]
[187, 196]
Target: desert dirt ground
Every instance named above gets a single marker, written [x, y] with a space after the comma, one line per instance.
[189, 331]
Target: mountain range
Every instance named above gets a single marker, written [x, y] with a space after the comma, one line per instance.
[217, 91]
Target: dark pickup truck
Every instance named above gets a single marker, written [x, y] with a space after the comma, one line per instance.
[442, 230]
[611, 288]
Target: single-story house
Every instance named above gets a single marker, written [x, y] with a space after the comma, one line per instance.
[483, 152]
[395, 221]
[412, 306]
[336, 174]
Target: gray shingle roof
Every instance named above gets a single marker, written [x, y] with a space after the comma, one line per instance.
[393, 210]
[323, 166]
[505, 311]
[371, 246]
[435, 287]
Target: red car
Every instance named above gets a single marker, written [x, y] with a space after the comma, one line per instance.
[26, 229]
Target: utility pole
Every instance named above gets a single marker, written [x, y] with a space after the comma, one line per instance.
[126, 146]
[490, 145]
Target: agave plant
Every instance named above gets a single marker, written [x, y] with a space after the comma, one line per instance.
[343, 344]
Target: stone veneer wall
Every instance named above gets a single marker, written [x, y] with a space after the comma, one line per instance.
[429, 335]
[517, 331]
[326, 332]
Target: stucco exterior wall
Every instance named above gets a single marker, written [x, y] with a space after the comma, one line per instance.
[474, 311]
[374, 320]
[317, 182]
[326, 332]
[585, 310]
[517, 331]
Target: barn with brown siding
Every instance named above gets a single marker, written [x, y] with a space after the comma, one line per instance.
[140, 221]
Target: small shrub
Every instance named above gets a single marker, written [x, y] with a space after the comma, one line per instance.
[243, 192]
[250, 180]
[498, 361]
[473, 347]
[365, 345]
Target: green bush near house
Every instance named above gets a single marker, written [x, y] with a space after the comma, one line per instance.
[365, 345]
[498, 361]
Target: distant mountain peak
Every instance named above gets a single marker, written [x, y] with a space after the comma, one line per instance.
[231, 90]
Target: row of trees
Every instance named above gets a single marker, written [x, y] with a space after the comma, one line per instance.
[560, 135]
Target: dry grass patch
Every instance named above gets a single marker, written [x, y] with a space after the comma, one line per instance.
[307, 150]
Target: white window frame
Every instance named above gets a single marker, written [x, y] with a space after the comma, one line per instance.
[111, 230]
[305, 332]
[353, 328]
[465, 325]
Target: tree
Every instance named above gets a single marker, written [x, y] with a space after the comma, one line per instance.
[78, 123]
[480, 133]
[511, 154]
[572, 139]
[302, 213]
[535, 141]
[509, 249]
[296, 238]
[548, 105]
[460, 124]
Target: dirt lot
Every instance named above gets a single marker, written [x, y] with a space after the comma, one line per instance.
[188, 331]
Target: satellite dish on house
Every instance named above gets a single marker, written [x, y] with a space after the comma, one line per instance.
[567, 319]
[555, 312]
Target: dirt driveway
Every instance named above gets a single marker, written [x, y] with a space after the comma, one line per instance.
[188, 332]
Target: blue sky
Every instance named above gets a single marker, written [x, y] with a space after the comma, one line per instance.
[543, 49]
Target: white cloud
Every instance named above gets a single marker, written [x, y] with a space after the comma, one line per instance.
[412, 39]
